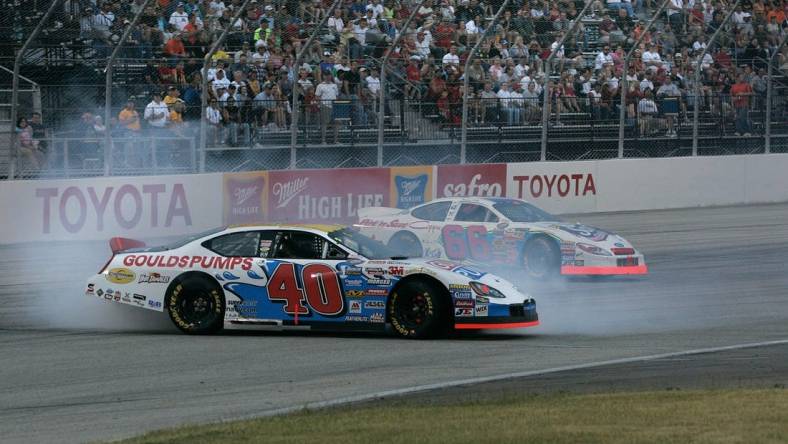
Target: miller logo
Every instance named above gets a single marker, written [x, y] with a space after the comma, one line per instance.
[411, 190]
[286, 191]
[245, 197]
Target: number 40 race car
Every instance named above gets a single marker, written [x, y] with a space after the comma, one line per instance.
[305, 277]
[493, 231]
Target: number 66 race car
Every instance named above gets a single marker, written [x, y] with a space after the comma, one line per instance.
[501, 231]
[305, 277]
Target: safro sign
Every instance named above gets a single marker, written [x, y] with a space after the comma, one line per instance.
[487, 180]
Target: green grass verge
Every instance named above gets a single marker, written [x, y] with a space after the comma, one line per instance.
[719, 416]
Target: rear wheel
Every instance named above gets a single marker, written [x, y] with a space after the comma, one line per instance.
[541, 259]
[196, 305]
[406, 244]
[418, 309]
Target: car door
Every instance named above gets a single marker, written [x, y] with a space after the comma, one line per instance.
[469, 234]
[429, 232]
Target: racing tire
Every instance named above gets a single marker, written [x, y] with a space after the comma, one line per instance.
[418, 309]
[406, 244]
[541, 259]
[196, 305]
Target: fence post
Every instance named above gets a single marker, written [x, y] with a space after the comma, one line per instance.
[205, 64]
[296, 112]
[546, 83]
[108, 90]
[383, 65]
[15, 87]
[625, 82]
[768, 128]
[466, 83]
[696, 87]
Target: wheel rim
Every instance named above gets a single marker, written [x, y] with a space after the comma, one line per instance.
[197, 308]
[537, 259]
[410, 247]
[412, 311]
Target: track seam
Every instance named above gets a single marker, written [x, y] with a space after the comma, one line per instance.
[480, 380]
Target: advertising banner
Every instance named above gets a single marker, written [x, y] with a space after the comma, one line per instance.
[245, 197]
[472, 180]
[101, 208]
[325, 196]
[411, 186]
[559, 187]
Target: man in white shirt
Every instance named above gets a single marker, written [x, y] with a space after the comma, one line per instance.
[373, 82]
[217, 8]
[422, 45]
[220, 81]
[647, 111]
[451, 58]
[509, 109]
[156, 112]
[376, 8]
[675, 13]
[179, 18]
[651, 59]
[360, 31]
[472, 27]
[326, 92]
[335, 23]
[604, 58]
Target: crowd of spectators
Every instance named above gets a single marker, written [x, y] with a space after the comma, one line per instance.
[253, 76]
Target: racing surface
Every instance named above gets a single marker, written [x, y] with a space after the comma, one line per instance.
[78, 369]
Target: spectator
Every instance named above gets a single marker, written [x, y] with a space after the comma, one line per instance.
[129, 120]
[28, 147]
[647, 112]
[741, 92]
[156, 112]
[451, 58]
[215, 117]
[326, 92]
[40, 134]
[670, 94]
[179, 19]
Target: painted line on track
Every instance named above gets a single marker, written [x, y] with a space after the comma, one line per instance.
[480, 380]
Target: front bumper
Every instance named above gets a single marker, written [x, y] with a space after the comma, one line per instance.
[502, 316]
[606, 265]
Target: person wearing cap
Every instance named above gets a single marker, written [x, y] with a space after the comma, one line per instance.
[263, 31]
[220, 81]
[179, 18]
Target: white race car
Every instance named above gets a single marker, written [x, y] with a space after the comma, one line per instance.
[492, 231]
[313, 277]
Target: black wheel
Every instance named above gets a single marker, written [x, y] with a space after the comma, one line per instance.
[418, 309]
[196, 305]
[541, 258]
[406, 244]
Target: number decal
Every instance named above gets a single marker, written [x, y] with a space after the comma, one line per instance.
[321, 288]
[283, 287]
[323, 292]
[454, 242]
[461, 243]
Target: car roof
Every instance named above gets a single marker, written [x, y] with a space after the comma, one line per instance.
[472, 199]
[319, 228]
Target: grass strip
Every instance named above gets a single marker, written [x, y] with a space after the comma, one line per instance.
[714, 416]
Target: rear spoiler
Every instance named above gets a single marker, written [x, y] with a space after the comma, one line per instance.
[120, 244]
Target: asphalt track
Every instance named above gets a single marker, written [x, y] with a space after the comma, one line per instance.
[76, 369]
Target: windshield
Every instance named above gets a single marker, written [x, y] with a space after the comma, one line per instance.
[519, 211]
[367, 247]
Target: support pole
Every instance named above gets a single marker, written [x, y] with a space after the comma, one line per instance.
[204, 93]
[625, 83]
[12, 164]
[546, 84]
[383, 66]
[696, 87]
[297, 63]
[108, 90]
[466, 82]
[768, 129]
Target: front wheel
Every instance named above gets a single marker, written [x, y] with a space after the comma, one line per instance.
[196, 305]
[406, 244]
[541, 259]
[418, 309]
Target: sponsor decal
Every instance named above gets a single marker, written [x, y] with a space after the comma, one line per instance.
[154, 304]
[488, 180]
[432, 252]
[374, 272]
[90, 290]
[245, 197]
[100, 292]
[353, 282]
[618, 244]
[463, 312]
[139, 297]
[355, 307]
[108, 296]
[558, 185]
[354, 293]
[122, 207]
[324, 195]
[379, 282]
[162, 261]
[353, 318]
[459, 287]
[464, 303]
[375, 305]
[126, 297]
[396, 271]
[376, 292]
[481, 310]
[377, 318]
[153, 278]
[410, 185]
[469, 272]
[584, 231]
[482, 300]
[444, 265]
[121, 276]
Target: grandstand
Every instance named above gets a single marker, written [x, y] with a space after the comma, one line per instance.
[252, 78]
